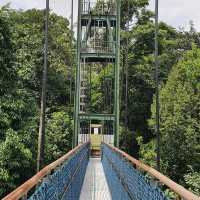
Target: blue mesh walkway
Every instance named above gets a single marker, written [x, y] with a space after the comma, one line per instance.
[95, 186]
[115, 176]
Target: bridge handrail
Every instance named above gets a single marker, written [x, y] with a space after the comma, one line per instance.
[178, 189]
[22, 190]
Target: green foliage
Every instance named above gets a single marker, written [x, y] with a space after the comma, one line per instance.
[138, 53]
[58, 135]
[180, 118]
[130, 9]
[101, 89]
[29, 40]
[147, 152]
[193, 181]
[128, 141]
[15, 162]
[21, 60]
[7, 58]
[15, 109]
[181, 100]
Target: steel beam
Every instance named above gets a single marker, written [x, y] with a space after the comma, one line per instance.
[117, 69]
[77, 91]
[94, 116]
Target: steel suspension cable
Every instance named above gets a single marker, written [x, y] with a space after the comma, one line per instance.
[41, 136]
[157, 86]
[126, 79]
[71, 69]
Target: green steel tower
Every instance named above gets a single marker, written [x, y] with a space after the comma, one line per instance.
[98, 58]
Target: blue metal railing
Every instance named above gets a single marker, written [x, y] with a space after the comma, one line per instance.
[67, 180]
[61, 179]
[125, 175]
[126, 182]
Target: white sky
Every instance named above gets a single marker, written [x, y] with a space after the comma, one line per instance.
[177, 13]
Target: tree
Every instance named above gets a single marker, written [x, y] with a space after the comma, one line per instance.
[15, 162]
[130, 10]
[180, 128]
[58, 135]
[141, 87]
[192, 180]
[7, 53]
[21, 59]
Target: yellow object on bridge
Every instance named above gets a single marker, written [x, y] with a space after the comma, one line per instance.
[96, 142]
[95, 136]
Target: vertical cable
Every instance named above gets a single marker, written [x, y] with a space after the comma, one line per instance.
[90, 68]
[117, 72]
[72, 14]
[77, 82]
[157, 85]
[111, 94]
[41, 136]
[71, 70]
[126, 80]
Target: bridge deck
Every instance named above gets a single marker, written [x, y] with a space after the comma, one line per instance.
[95, 186]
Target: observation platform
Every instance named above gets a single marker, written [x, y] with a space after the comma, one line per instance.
[95, 186]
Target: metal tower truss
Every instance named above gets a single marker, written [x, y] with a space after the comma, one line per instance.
[97, 73]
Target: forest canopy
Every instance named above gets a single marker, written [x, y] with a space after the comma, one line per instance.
[21, 64]
[21, 60]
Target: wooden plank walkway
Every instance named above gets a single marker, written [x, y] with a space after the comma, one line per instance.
[95, 186]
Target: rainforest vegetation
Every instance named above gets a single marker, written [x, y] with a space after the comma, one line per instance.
[21, 65]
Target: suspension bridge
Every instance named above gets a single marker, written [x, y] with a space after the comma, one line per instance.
[96, 168]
